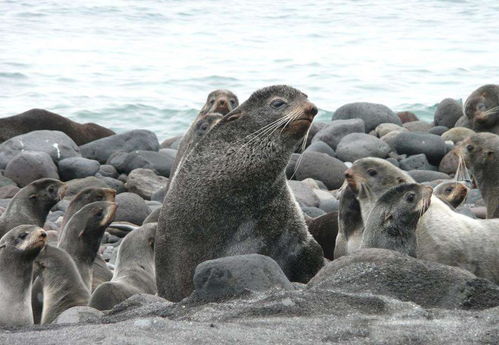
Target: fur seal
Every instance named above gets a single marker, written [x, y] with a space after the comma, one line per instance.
[393, 220]
[32, 204]
[482, 109]
[134, 273]
[324, 230]
[229, 195]
[85, 197]
[39, 119]
[481, 154]
[452, 193]
[443, 235]
[82, 235]
[62, 284]
[18, 248]
[220, 101]
[350, 224]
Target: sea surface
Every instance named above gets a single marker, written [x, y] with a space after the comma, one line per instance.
[151, 63]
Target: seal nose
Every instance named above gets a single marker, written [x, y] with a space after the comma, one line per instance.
[348, 173]
[311, 109]
[221, 102]
[43, 234]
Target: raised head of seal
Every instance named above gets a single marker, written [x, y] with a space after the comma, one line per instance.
[482, 109]
[85, 197]
[220, 101]
[453, 192]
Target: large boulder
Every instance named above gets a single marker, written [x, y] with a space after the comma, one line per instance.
[322, 167]
[321, 147]
[77, 167]
[413, 143]
[131, 208]
[303, 194]
[373, 114]
[160, 162]
[145, 182]
[138, 139]
[56, 144]
[360, 145]
[448, 112]
[29, 166]
[336, 130]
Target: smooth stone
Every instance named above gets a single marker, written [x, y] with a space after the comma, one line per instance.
[160, 194]
[303, 194]
[385, 128]
[115, 184]
[390, 138]
[373, 114]
[416, 162]
[427, 175]
[131, 208]
[77, 185]
[313, 212]
[160, 162]
[231, 276]
[457, 134]
[56, 144]
[418, 126]
[314, 129]
[80, 314]
[314, 184]
[138, 139]
[77, 167]
[407, 116]
[322, 167]
[448, 112]
[5, 181]
[321, 147]
[29, 166]
[438, 130]
[413, 143]
[336, 130]
[167, 143]
[145, 182]
[107, 170]
[360, 145]
[449, 163]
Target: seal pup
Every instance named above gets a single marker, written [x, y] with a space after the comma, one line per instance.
[482, 109]
[393, 220]
[82, 235]
[18, 248]
[324, 230]
[32, 204]
[350, 224]
[85, 197]
[443, 235]
[229, 195]
[61, 282]
[452, 193]
[134, 273]
[481, 154]
[39, 119]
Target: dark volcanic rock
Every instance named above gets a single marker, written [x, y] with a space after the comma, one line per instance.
[414, 143]
[160, 162]
[145, 182]
[372, 114]
[448, 112]
[427, 175]
[131, 208]
[336, 130]
[139, 139]
[360, 145]
[29, 166]
[416, 162]
[321, 147]
[57, 144]
[429, 284]
[77, 167]
[232, 276]
[321, 167]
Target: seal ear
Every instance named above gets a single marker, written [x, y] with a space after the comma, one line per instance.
[33, 196]
[489, 154]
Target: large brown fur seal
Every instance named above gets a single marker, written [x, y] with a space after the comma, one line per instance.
[18, 248]
[134, 273]
[32, 204]
[229, 195]
[482, 109]
[62, 284]
[39, 119]
[481, 155]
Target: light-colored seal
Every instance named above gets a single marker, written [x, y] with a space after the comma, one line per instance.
[134, 273]
[85, 197]
[452, 193]
[18, 248]
[32, 204]
[61, 282]
[229, 195]
[443, 235]
[481, 155]
[393, 220]
[482, 109]
[82, 235]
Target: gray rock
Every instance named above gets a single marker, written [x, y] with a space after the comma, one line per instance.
[321, 167]
[232, 276]
[160, 162]
[303, 194]
[28, 166]
[314, 129]
[414, 143]
[160, 194]
[80, 314]
[448, 112]
[336, 130]
[77, 167]
[385, 128]
[416, 162]
[418, 126]
[321, 147]
[449, 163]
[394, 161]
[101, 149]
[313, 212]
[56, 144]
[115, 184]
[145, 182]
[359, 145]
[372, 114]
[131, 208]
[107, 170]
[291, 167]
[77, 185]
[438, 130]
[427, 175]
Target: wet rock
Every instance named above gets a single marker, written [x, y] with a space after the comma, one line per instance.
[416, 162]
[414, 143]
[448, 112]
[77, 167]
[321, 147]
[160, 162]
[322, 167]
[29, 166]
[145, 182]
[336, 130]
[427, 175]
[372, 114]
[131, 208]
[359, 145]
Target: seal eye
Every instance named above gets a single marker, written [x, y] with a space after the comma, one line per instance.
[51, 189]
[99, 214]
[23, 235]
[212, 101]
[448, 190]
[481, 106]
[372, 172]
[469, 148]
[410, 197]
[233, 103]
[277, 103]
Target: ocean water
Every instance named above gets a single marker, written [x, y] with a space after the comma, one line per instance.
[151, 63]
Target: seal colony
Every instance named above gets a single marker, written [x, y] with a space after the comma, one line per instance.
[228, 195]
